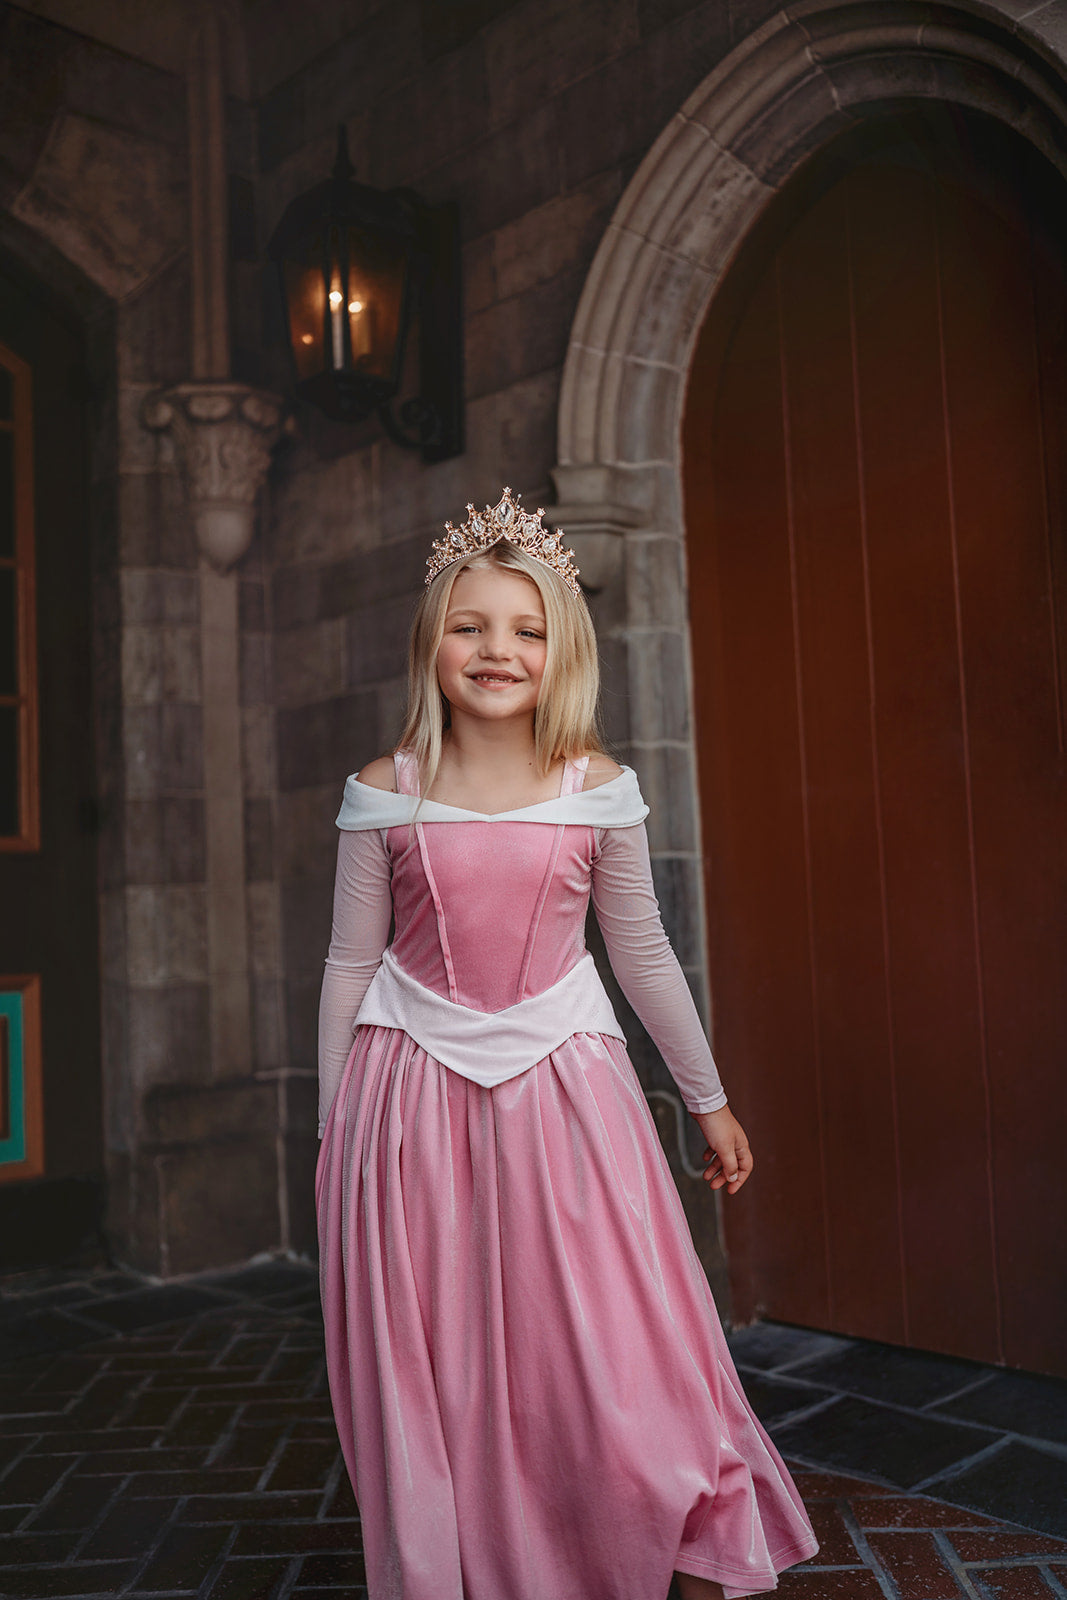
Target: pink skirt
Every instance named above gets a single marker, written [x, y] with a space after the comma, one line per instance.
[532, 1389]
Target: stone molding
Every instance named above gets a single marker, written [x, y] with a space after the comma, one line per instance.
[809, 71]
[224, 433]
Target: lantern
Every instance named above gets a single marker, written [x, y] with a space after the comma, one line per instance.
[359, 269]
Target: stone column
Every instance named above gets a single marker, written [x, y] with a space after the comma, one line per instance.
[223, 435]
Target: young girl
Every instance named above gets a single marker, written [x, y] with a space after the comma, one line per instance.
[531, 1386]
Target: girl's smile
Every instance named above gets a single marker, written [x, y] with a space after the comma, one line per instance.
[492, 655]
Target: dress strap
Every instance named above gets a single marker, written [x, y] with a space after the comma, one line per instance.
[407, 772]
[573, 776]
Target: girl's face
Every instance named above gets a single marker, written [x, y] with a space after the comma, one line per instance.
[491, 658]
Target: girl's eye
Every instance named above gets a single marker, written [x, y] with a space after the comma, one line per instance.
[531, 633]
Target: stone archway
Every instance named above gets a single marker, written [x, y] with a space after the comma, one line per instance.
[811, 70]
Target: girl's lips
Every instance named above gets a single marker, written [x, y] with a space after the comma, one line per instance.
[493, 677]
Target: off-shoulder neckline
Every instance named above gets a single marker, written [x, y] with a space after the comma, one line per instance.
[488, 816]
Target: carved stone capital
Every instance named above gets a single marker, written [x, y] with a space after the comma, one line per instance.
[224, 433]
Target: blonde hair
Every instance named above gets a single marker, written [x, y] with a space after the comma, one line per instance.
[565, 721]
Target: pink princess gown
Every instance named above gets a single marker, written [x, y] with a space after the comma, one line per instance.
[532, 1389]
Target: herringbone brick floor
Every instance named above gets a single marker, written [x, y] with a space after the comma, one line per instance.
[192, 1453]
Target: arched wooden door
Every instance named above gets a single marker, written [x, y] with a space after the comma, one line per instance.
[875, 447]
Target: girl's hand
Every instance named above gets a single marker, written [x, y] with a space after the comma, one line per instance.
[728, 1155]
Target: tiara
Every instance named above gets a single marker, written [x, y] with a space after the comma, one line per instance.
[507, 520]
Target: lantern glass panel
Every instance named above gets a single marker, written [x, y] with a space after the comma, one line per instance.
[354, 325]
[305, 294]
[367, 318]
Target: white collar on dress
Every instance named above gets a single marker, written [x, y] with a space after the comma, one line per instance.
[615, 804]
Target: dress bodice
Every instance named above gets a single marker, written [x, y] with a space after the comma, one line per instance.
[488, 914]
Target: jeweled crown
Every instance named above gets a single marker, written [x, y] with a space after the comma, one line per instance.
[506, 520]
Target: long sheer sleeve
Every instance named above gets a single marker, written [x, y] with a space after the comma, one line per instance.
[647, 968]
[362, 912]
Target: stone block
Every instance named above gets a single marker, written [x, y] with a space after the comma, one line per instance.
[302, 1018]
[153, 328]
[119, 1099]
[307, 838]
[113, 936]
[141, 750]
[381, 49]
[648, 412]
[301, 1158]
[301, 1104]
[169, 1037]
[149, 596]
[110, 201]
[1046, 23]
[268, 1025]
[142, 667]
[254, 655]
[614, 698]
[218, 1204]
[123, 90]
[154, 524]
[309, 662]
[392, 712]
[298, 593]
[655, 14]
[181, 762]
[677, 881]
[257, 749]
[520, 336]
[180, 663]
[306, 906]
[264, 929]
[111, 838]
[658, 683]
[773, 146]
[210, 1113]
[432, 117]
[539, 47]
[166, 929]
[673, 304]
[131, 1220]
[165, 840]
[558, 237]
[259, 838]
[666, 776]
[597, 118]
[504, 176]
[479, 274]
[321, 510]
[251, 604]
[656, 581]
[317, 742]
[677, 59]
[376, 643]
[748, 15]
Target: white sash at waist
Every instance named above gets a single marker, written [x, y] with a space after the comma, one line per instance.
[489, 1046]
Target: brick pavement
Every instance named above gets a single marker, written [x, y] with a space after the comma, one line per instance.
[176, 1440]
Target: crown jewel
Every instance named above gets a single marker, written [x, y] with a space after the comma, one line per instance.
[506, 520]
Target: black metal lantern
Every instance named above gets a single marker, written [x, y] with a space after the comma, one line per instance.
[358, 270]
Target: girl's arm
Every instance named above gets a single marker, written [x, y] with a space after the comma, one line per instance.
[653, 982]
[362, 913]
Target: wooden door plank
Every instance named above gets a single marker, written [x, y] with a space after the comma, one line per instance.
[750, 777]
[1010, 656]
[848, 969]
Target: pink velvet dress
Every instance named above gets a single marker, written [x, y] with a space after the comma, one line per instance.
[532, 1389]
